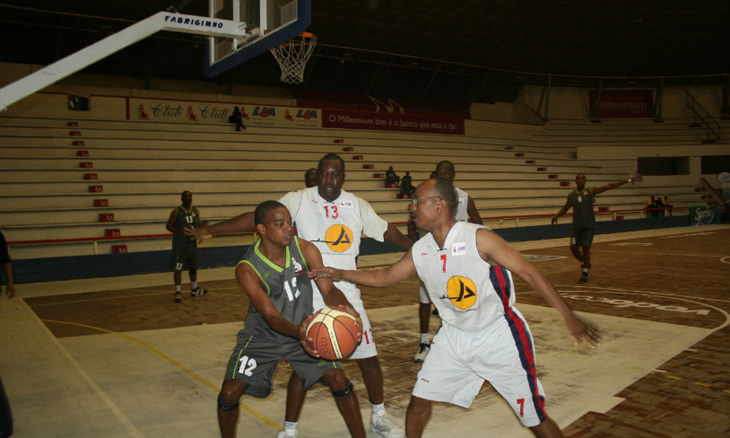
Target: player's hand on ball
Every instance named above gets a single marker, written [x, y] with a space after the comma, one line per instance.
[306, 341]
[351, 310]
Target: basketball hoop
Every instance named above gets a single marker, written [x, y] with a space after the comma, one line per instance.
[293, 55]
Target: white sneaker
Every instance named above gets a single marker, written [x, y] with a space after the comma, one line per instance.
[384, 427]
[283, 434]
[423, 350]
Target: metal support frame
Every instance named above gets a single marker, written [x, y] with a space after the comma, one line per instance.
[709, 122]
[658, 102]
[597, 103]
[77, 61]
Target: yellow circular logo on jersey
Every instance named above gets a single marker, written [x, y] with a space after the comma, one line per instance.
[338, 238]
[461, 291]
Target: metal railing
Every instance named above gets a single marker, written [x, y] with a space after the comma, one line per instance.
[701, 114]
[95, 241]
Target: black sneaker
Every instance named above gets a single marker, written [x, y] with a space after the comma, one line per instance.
[198, 292]
[583, 277]
[178, 297]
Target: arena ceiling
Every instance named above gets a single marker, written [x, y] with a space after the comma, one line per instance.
[468, 50]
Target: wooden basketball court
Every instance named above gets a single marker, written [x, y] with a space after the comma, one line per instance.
[116, 357]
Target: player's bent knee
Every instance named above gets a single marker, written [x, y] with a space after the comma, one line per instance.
[193, 271]
[227, 406]
[342, 393]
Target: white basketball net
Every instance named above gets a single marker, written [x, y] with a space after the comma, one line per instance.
[292, 57]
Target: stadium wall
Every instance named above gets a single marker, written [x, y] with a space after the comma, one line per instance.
[112, 265]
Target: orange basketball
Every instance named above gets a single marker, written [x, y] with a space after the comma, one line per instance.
[335, 333]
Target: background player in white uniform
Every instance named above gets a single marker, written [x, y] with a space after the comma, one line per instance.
[334, 220]
[466, 269]
[465, 209]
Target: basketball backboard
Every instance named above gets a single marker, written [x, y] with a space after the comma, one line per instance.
[268, 24]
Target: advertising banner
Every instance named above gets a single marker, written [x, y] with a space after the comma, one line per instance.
[704, 215]
[181, 111]
[622, 103]
[378, 121]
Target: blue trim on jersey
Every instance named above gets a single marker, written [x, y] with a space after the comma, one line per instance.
[523, 342]
[501, 284]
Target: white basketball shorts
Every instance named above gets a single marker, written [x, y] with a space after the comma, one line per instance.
[502, 354]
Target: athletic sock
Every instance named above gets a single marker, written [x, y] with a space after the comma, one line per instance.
[424, 338]
[178, 288]
[378, 410]
[194, 285]
[585, 270]
[290, 428]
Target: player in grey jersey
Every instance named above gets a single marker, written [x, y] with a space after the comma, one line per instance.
[273, 274]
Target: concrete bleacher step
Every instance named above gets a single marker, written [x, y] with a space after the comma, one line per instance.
[141, 168]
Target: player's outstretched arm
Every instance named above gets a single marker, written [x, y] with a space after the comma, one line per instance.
[239, 224]
[332, 296]
[394, 236]
[494, 249]
[598, 190]
[389, 276]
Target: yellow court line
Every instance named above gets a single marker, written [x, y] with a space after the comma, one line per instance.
[182, 367]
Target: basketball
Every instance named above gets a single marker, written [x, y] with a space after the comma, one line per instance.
[335, 333]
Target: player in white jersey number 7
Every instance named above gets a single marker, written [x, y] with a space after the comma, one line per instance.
[467, 270]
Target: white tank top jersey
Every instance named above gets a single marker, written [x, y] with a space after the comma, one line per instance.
[461, 208]
[469, 293]
[334, 227]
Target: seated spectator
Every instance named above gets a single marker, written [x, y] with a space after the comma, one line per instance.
[659, 204]
[391, 179]
[668, 205]
[651, 205]
[406, 186]
[237, 119]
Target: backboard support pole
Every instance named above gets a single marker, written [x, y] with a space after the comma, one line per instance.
[71, 64]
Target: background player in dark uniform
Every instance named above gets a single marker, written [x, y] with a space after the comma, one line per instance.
[274, 275]
[7, 267]
[185, 248]
[584, 219]
[310, 177]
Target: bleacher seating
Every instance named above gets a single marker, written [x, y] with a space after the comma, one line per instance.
[85, 179]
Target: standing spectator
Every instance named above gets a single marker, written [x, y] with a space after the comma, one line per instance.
[467, 270]
[466, 209]
[184, 248]
[7, 267]
[584, 220]
[237, 119]
[310, 177]
[334, 220]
